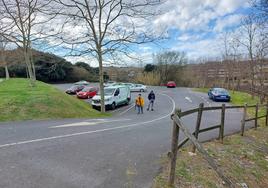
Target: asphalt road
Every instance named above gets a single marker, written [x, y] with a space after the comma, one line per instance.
[122, 151]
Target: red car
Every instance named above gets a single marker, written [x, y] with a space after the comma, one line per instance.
[87, 92]
[171, 84]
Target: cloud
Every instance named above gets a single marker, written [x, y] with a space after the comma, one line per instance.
[228, 21]
[194, 14]
[208, 48]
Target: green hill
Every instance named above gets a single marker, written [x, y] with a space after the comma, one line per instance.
[19, 101]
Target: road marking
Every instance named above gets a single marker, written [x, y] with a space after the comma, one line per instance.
[126, 110]
[86, 123]
[91, 132]
[188, 99]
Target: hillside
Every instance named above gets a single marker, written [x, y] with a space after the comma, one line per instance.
[19, 101]
[49, 67]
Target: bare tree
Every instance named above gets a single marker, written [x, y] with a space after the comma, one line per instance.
[169, 63]
[22, 25]
[248, 31]
[107, 28]
[230, 58]
[3, 44]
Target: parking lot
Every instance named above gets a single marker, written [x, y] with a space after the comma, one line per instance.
[121, 151]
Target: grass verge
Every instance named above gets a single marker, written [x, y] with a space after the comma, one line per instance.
[243, 159]
[20, 101]
[241, 98]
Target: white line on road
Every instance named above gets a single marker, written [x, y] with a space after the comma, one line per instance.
[188, 99]
[127, 110]
[84, 123]
[90, 132]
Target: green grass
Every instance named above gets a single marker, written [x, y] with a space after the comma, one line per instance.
[20, 101]
[241, 98]
[242, 159]
[237, 97]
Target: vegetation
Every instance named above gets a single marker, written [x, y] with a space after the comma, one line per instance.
[243, 159]
[20, 101]
[49, 68]
[240, 98]
[148, 78]
[170, 65]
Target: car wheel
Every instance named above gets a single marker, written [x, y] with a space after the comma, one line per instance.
[127, 102]
[113, 106]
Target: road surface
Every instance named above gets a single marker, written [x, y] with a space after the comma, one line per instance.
[122, 151]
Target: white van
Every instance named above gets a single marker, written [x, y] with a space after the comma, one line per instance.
[113, 97]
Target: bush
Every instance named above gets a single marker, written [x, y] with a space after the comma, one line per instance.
[149, 78]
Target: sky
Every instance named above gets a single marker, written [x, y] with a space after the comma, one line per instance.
[192, 26]
[196, 26]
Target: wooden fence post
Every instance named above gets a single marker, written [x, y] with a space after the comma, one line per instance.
[174, 150]
[266, 119]
[221, 133]
[198, 123]
[204, 153]
[243, 121]
[256, 116]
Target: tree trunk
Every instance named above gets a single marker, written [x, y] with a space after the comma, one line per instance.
[7, 72]
[101, 80]
[29, 67]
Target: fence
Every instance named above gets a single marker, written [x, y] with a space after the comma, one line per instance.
[193, 137]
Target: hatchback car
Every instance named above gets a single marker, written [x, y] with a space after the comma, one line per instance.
[219, 94]
[171, 84]
[87, 92]
[74, 89]
[82, 82]
[137, 88]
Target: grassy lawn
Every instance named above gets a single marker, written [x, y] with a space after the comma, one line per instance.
[243, 159]
[19, 101]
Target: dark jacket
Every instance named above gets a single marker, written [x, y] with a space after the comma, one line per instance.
[151, 96]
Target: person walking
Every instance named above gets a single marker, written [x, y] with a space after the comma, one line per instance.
[151, 98]
[139, 104]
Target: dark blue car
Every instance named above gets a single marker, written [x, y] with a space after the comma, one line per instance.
[219, 94]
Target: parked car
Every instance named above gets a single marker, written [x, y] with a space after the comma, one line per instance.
[171, 84]
[74, 89]
[138, 88]
[87, 92]
[113, 97]
[219, 94]
[82, 82]
[109, 83]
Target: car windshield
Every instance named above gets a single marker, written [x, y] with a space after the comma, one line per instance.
[73, 87]
[86, 89]
[108, 91]
[222, 91]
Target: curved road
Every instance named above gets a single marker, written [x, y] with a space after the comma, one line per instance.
[122, 151]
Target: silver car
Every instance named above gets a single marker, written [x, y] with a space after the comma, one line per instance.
[138, 88]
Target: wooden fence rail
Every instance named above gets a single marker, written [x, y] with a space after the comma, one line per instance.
[193, 137]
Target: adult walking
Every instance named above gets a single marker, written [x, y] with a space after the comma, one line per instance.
[151, 98]
[139, 104]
